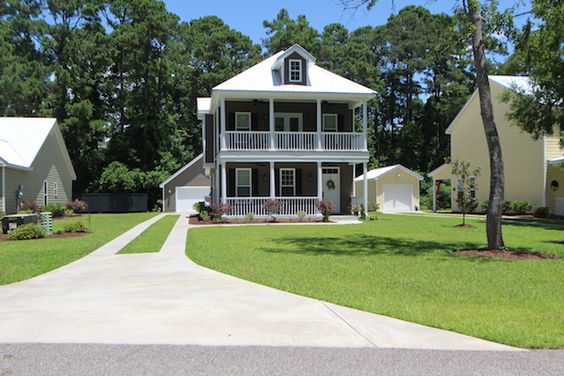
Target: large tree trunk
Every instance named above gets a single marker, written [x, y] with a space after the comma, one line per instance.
[493, 223]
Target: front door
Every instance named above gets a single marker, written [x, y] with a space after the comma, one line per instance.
[332, 187]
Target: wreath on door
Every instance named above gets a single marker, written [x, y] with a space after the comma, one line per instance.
[330, 184]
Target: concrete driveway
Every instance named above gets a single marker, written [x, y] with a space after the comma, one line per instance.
[164, 298]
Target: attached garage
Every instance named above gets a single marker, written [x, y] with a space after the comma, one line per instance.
[186, 187]
[394, 188]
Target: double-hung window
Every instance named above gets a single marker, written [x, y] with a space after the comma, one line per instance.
[242, 121]
[243, 179]
[287, 182]
[295, 70]
[45, 192]
[330, 122]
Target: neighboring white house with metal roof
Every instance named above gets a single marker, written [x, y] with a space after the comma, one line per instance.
[35, 163]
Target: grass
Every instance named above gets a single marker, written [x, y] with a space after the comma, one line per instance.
[24, 259]
[400, 266]
[153, 238]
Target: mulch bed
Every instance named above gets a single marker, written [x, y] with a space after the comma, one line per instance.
[53, 236]
[195, 221]
[507, 254]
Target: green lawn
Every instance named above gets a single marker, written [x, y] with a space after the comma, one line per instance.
[27, 258]
[400, 266]
[153, 238]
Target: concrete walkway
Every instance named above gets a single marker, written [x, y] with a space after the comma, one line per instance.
[164, 298]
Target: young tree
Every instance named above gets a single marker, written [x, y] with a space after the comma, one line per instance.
[466, 186]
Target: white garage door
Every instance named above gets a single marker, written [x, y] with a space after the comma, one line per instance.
[397, 197]
[186, 197]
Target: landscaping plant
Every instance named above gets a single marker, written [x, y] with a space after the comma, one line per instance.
[464, 197]
[78, 206]
[326, 208]
[26, 232]
[57, 210]
[75, 227]
[272, 207]
[249, 216]
[522, 207]
[218, 211]
[301, 215]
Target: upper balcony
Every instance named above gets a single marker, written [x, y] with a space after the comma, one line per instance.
[294, 141]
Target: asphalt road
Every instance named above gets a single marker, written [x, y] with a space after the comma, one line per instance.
[85, 359]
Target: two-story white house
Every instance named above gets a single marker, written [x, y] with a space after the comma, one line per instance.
[285, 129]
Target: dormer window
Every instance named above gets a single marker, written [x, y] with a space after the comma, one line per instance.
[295, 70]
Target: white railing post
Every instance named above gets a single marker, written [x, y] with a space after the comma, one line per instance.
[271, 122]
[364, 126]
[319, 182]
[222, 123]
[223, 183]
[272, 181]
[319, 117]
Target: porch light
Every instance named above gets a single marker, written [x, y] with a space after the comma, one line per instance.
[554, 185]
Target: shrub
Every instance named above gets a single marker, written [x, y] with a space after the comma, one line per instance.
[542, 212]
[26, 232]
[362, 212]
[78, 206]
[27, 211]
[355, 209]
[205, 216]
[485, 205]
[58, 232]
[272, 207]
[57, 210]
[301, 215]
[372, 217]
[522, 207]
[219, 210]
[249, 216]
[69, 213]
[30, 206]
[506, 208]
[198, 206]
[373, 206]
[75, 227]
[326, 208]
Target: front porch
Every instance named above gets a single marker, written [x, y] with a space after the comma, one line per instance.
[297, 187]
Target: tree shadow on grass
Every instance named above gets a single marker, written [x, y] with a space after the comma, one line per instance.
[363, 245]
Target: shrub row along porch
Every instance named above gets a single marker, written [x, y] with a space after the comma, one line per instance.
[246, 187]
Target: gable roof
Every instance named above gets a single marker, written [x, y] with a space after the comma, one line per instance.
[507, 82]
[181, 170]
[378, 172]
[263, 77]
[296, 48]
[22, 138]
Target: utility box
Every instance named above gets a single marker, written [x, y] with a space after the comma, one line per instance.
[47, 222]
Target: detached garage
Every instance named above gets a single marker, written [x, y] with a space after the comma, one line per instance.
[186, 187]
[394, 188]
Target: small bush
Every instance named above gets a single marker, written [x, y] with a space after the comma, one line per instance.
[485, 205]
[249, 216]
[355, 209]
[272, 207]
[30, 206]
[78, 206]
[301, 215]
[542, 212]
[220, 210]
[57, 210]
[69, 213]
[522, 207]
[58, 232]
[362, 212]
[373, 206]
[326, 208]
[199, 206]
[26, 232]
[205, 216]
[75, 227]
[506, 208]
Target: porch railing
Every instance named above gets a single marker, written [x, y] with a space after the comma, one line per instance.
[293, 141]
[288, 205]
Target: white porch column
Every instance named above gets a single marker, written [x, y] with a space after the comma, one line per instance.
[319, 182]
[319, 117]
[223, 183]
[272, 181]
[434, 195]
[365, 190]
[271, 122]
[364, 125]
[222, 123]
[354, 182]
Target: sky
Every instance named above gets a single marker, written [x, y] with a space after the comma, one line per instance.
[247, 16]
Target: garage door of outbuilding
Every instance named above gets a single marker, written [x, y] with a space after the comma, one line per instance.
[186, 197]
[397, 198]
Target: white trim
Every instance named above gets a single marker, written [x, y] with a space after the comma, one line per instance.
[402, 168]
[250, 186]
[297, 156]
[4, 189]
[280, 181]
[287, 116]
[336, 117]
[182, 169]
[545, 170]
[294, 48]
[45, 192]
[248, 114]
[452, 123]
[290, 70]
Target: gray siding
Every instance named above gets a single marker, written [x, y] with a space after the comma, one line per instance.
[48, 165]
[193, 176]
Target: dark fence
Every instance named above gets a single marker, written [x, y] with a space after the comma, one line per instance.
[115, 202]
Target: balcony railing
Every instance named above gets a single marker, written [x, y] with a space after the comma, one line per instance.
[294, 141]
[288, 205]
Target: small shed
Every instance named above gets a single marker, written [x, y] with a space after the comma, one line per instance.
[186, 187]
[394, 188]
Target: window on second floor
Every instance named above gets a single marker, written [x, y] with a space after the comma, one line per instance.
[330, 122]
[288, 122]
[295, 70]
[242, 121]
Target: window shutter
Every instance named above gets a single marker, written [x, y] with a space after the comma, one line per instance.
[255, 181]
[254, 122]
[340, 123]
[277, 181]
[230, 121]
[231, 182]
[299, 185]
